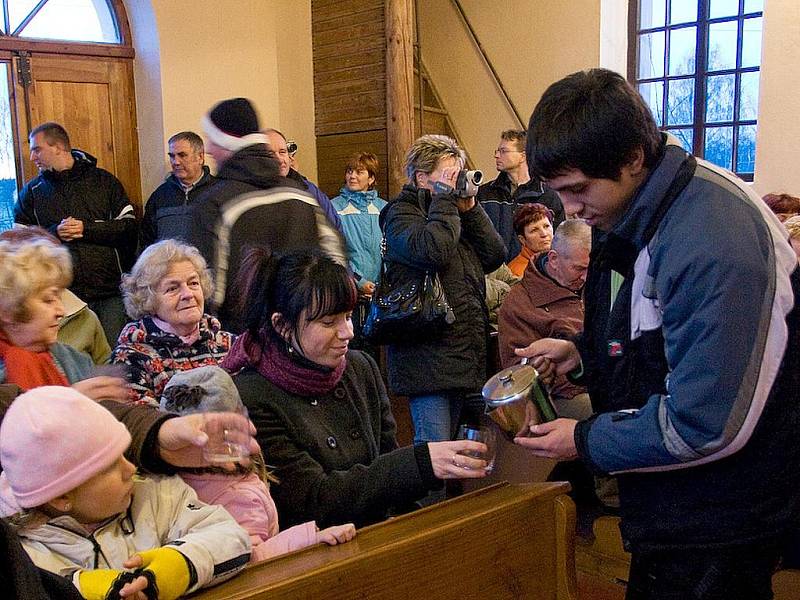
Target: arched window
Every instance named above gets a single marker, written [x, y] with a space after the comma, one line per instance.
[697, 64]
[72, 20]
[69, 61]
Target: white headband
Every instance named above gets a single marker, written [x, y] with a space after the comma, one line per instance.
[231, 142]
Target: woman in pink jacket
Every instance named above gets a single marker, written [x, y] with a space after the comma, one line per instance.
[244, 493]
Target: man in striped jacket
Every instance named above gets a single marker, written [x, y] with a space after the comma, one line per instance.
[690, 345]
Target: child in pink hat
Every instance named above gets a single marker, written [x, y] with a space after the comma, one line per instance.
[83, 515]
[244, 494]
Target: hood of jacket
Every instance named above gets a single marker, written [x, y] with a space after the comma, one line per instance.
[543, 290]
[83, 161]
[360, 200]
[255, 166]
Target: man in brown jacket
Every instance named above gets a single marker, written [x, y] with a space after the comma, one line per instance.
[547, 303]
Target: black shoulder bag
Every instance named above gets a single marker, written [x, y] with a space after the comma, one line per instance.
[411, 311]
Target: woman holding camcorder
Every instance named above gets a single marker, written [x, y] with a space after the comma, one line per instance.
[437, 234]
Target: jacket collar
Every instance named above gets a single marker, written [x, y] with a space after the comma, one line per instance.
[204, 180]
[623, 243]
[541, 289]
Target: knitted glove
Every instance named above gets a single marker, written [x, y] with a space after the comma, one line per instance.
[170, 570]
[95, 584]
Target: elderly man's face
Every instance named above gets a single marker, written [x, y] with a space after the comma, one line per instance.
[186, 162]
[278, 146]
[570, 268]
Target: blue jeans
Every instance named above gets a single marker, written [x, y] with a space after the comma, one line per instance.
[111, 312]
[435, 416]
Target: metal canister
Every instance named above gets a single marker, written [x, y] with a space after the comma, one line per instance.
[515, 398]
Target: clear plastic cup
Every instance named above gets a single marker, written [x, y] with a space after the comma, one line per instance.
[485, 435]
[225, 444]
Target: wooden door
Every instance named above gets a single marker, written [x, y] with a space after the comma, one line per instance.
[93, 98]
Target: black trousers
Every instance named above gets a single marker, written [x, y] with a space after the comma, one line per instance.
[741, 573]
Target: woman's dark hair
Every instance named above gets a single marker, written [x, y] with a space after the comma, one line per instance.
[290, 284]
[593, 121]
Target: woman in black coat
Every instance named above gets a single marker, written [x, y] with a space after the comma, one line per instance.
[429, 227]
[321, 410]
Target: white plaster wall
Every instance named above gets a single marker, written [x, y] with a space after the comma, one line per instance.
[190, 54]
[778, 136]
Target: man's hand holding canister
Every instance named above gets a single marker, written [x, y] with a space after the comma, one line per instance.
[551, 357]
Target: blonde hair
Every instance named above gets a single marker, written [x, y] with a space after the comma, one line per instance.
[138, 286]
[792, 225]
[426, 152]
[26, 268]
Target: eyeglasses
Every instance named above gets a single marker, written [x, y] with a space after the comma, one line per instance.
[506, 150]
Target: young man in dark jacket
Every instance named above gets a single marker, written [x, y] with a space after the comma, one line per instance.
[88, 210]
[692, 365]
[514, 188]
[250, 205]
[167, 212]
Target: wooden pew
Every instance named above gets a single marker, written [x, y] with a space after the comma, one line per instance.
[503, 542]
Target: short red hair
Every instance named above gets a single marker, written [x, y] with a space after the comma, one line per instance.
[530, 213]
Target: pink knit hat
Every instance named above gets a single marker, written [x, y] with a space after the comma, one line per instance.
[52, 440]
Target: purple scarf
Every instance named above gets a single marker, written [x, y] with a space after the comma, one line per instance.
[285, 368]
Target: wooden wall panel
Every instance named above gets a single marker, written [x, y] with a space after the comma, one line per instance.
[349, 53]
[334, 150]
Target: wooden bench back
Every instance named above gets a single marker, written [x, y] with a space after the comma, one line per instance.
[503, 542]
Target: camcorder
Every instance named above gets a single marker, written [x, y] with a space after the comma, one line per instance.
[467, 183]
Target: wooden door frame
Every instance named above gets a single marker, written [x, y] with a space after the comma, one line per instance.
[11, 46]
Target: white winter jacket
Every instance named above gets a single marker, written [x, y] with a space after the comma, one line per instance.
[164, 512]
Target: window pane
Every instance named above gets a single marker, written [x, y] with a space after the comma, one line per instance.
[651, 55]
[651, 13]
[748, 96]
[746, 149]
[751, 6]
[719, 98]
[74, 20]
[680, 102]
[682, 45]
[722, 45]
[685, 137]
[18, 10]
[751, 42]
[682, 11]
[719, 146]
[653, 94]
[723, 8]
[8, 172]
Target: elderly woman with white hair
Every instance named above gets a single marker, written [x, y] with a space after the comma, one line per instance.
[34, 271]
[165, 292]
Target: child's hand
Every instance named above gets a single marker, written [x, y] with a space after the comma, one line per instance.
[135, 589]
[169, 567]
[338, 534]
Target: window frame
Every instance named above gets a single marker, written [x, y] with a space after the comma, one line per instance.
[701, 73]
[124, 49]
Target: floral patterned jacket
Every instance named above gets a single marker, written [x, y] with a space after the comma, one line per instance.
[153, 356]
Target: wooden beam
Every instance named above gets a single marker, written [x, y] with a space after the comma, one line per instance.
[399, 93]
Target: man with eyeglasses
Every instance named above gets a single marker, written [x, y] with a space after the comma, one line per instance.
[513, 188]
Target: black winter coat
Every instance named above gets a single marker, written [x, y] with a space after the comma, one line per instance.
[461, 248]
[501, 204]
[94, 196]
[335, 455]
[245, 208]
[167, 212]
